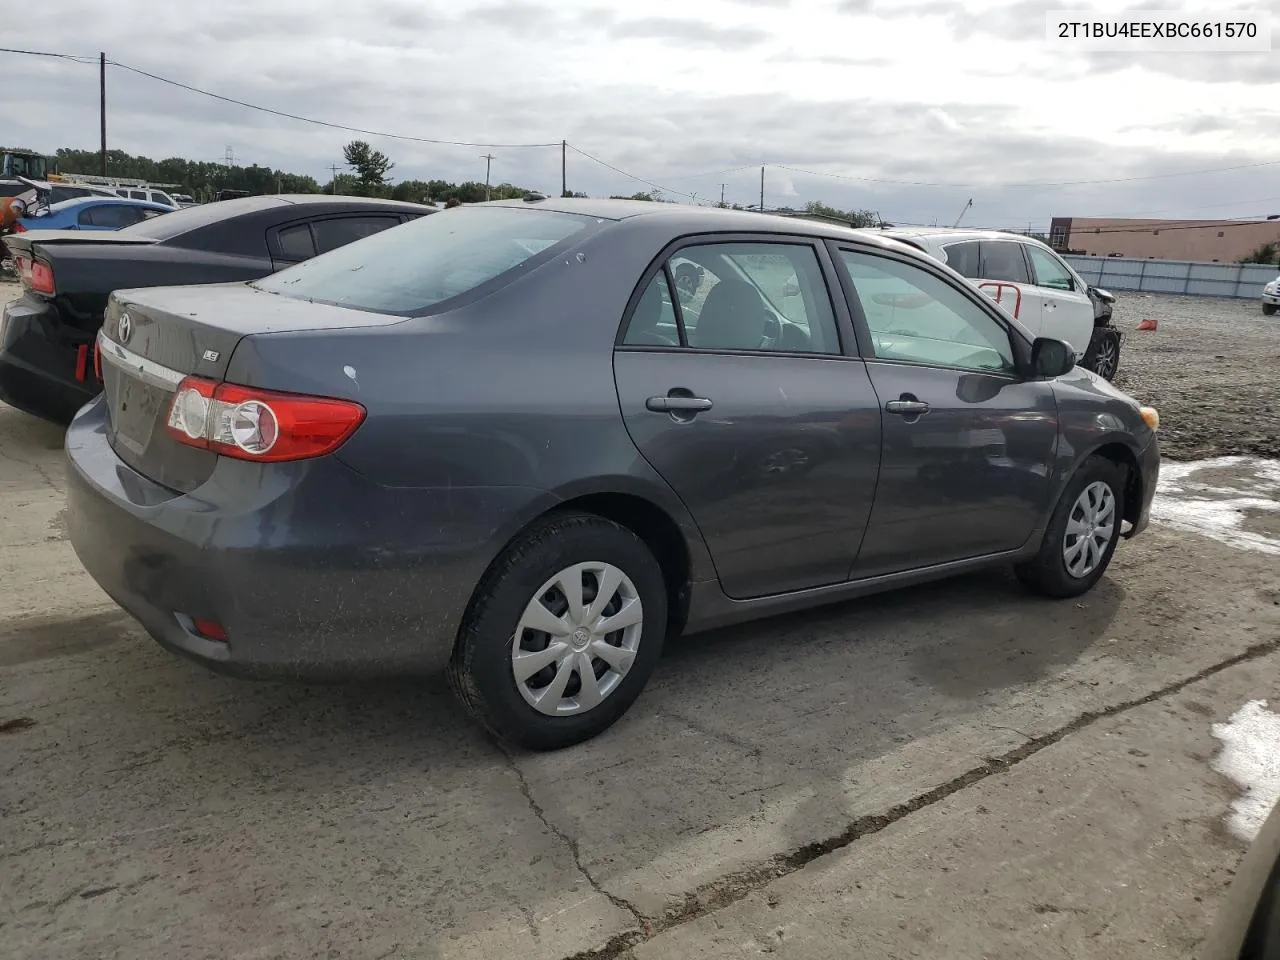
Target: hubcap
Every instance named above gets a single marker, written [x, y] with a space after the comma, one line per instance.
[1090, 528]
[1107, 359]
[576, 639]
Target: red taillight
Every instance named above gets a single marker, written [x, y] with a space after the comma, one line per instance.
[38, 276]
[97, 360]
[259, 425]
[18, 227]
[209, 629]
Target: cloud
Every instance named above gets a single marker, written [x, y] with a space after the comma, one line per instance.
[944, 120]
[688, 33]
[670, 97]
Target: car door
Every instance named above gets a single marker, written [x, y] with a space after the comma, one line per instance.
[1066, 311]
[739, 392]
[967, 442]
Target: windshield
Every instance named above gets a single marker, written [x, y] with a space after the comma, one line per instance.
[410, 268]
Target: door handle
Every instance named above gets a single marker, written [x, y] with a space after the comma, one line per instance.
[677, 404]
[907, 408]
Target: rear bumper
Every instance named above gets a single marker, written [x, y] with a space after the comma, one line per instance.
[1149, 468]
[37, 369]
[312, 570]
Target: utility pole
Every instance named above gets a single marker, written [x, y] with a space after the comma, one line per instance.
[722, 194]
[762, 188]
[564, 169]
[334, 168]
[488, 160]
[962, 213]
[102, 106]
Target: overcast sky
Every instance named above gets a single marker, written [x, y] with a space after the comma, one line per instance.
[964, 99]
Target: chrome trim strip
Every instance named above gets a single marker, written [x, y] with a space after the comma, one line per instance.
[157, 375]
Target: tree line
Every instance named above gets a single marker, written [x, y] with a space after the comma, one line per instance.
[367, 175]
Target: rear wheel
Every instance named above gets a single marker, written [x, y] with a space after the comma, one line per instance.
[1268, 308]
[563, 633]
[1103, 355]
[1082, 534]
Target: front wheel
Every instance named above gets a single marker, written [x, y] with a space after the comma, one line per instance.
[562, 634]
[1082, 533]
[1103, 355]
[1268, 308]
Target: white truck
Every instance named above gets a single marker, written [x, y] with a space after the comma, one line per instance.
[1031, 282]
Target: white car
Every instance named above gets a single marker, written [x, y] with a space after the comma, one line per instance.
[1031, 282]
[1271, 297]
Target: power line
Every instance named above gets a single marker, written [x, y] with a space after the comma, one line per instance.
[1029, 183]
[632, 176]
[1157, 226]
[45, 53]
[322, 123]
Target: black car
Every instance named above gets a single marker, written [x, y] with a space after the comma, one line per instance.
[47, 336]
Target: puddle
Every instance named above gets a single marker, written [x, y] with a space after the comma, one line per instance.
[1235, 500]
[1250, 758]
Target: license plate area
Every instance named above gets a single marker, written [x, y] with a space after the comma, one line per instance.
[135, 410]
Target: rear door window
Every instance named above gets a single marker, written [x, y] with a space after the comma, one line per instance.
[432, 259]
[334, 232]
[1003, 260]
[754, 296]
[295, 244]
[965, 259]
[114, 216]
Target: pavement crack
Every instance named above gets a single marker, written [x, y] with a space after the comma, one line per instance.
[738, 885]
[38, 468]
[644, 924]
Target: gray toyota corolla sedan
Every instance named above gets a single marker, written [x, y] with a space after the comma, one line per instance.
[504, 439]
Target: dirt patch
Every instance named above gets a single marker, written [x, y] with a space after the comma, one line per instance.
[1210, 369]
[1265, 522]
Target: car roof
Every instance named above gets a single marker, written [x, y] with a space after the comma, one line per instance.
[237, 205]
[956, 234]
[101, 201]
[696, 219]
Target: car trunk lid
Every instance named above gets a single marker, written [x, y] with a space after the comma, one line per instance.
[152, 339]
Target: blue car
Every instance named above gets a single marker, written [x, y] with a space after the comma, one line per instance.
[93, 213]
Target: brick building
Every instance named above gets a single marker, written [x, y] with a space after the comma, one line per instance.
[1215, 241]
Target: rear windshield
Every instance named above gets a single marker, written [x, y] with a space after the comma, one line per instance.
[183, 221]
[408, 269]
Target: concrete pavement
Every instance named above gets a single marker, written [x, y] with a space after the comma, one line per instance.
[150, 809]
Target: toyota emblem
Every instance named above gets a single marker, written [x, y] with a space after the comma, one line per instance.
[125, 329]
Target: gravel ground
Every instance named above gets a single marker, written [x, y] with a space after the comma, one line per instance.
[1210, 368]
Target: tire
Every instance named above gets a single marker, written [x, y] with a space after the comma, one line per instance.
[529, 571]
[1048, 572]
[1103, 355]
[1269, 308]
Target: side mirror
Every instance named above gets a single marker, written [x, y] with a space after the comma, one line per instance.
[1051, 358]
[791, 289]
